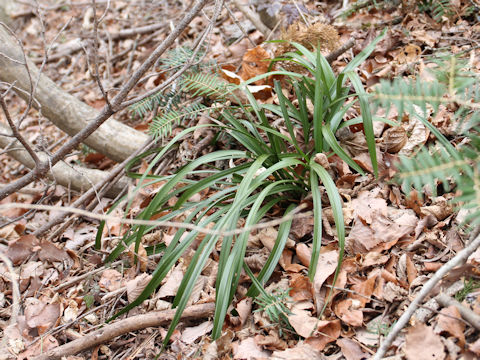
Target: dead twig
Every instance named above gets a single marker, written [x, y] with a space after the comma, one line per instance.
[134, 323]
[253, 17]
[294, 214]
[467, 314]
[457, 260]
[336, 53]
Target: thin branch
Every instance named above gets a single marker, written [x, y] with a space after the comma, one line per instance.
[16, 133]
[134, 323]
[294, 214]
[457, 260]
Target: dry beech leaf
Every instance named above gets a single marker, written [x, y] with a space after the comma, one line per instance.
[111, 280]
[440, 209]
[418, 133]
[348, 311]
[49, 252]
[244, 309]
[302, 322]
[394, 139]
[136, 286]
[248, 349]
[423, 343]
[411, 270]
[271, 342]
[141, 256]
[41, 316]
[304, 254]
[172, 284]
[329, 331]
[327, 263]
[475, 347]
[381, 234]
[300, 288]
[42, 345]
[449, 324]
[21, 249]
[351, 350]
[301, 351]
[190, 334]
[255, 62]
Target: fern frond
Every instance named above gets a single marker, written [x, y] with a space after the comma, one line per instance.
[437, 8]
[147, 105]
[207, 85]
[180, 56]
[429, 168]
[162, 125]
[404, 94]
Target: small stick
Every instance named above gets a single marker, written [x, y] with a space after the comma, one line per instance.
[336, 53]
[458, 259]
[134, 323]
[253, 17]
[467, 314]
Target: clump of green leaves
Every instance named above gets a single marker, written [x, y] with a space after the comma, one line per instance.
[270, 170]
[468, 286]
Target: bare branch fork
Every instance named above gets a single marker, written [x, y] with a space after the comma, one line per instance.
[42, 168]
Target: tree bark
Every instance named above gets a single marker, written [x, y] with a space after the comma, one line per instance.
[74, 177]
[113, 139]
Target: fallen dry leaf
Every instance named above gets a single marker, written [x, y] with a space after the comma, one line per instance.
[422, 343]
[351, 350]
[248, 349]
[302, 322]
[301, 351]
[111, 280]
[137, 285]
[348, 311]
[328, 331]
[21, 249]
[172, 284]
[451, 324]
[190, 334]
[41, 316]
[44, 344]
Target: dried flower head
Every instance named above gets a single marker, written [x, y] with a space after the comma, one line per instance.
[320, 34]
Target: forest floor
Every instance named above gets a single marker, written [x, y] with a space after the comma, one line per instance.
[395, 241]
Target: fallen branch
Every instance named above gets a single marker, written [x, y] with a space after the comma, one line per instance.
[134, 323]
[71, 176]
[294, 214]
[113, 139]
[75, 45]
[457, 260]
